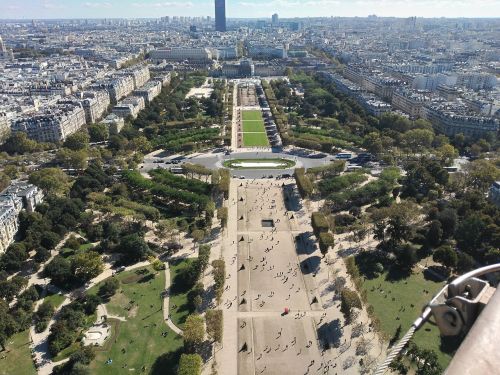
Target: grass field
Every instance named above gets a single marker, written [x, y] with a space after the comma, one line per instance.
[56, 299]
[255, 140]
[254, 127]
[406, 292]
[139, 343]
[179, 306]
[251, 115]
[18, 358]
[254, 131]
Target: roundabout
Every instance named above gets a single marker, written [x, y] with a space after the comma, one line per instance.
[259, 164]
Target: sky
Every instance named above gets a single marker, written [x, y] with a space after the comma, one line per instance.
[40, 9]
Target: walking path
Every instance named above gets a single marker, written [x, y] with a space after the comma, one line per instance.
[39, 341]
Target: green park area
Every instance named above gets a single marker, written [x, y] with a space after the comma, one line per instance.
[254, 132]
[255, 140]
[142, 343]
[253, 127]
[259, 164]
[397, 302]
[17, 358]
[251, 115]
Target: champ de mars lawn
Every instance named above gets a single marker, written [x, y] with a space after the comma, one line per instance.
[138, 342]
[255, 140]
[404, 299]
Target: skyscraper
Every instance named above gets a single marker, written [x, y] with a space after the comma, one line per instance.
[275, 18]
[220, 15]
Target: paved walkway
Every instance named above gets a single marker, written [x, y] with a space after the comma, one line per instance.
[256, 324]
[39, 340]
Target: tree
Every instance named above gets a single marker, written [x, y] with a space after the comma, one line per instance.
[86, 265]
[72, 159]
[49, 240]
[18, 143]
[204, 257]
[447, 153]
[190, 364]
[198, 235]
[357, 330]
[398, 229]
[141, 144]
[219, 272]
[109, 287]
[406, 257]
[434, 233]
[349, 301]
[133, 247]
[339, 284]
[98, 132]
[4, 181]
[222, 215]
[469, 234]
[363, 347]
[53, 181]
[194, 333]
[465, 263]
[326, 241]
[84, 355]
[418, 139]
[480, 174]
[77, 141]
[59, 270]
[214, 322]
[448, 219]
[446, 256]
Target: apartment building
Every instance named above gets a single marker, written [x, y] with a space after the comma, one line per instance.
[95, 104]
[453, 118]
[130, 106]
[149, 91]
[18, 196]
[410, 102]
[52, 124]
[4, 126]
[192, 54]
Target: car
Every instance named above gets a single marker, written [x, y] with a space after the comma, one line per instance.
[121, 269]
[242, 177]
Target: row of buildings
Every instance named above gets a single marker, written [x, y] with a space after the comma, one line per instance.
[449, 114]
[127, 91]
[18, 196]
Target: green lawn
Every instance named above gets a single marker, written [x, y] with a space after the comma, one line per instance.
[255, 140]
[56, 299]
[254, 127]
[251, 115]
[405, 292]
[138, 341]
[18, 358]
[179, 306]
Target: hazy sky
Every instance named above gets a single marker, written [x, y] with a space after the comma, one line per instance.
[246, 8]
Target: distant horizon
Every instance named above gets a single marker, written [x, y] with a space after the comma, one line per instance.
[238, 18]
[247, 9]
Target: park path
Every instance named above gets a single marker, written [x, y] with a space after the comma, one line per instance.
[228, 354]
[166, 302]
[40, 344]
[39, 341]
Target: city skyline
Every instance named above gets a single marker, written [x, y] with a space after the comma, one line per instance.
[57, 9]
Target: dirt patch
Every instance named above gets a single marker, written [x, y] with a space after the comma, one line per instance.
[133, 311]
